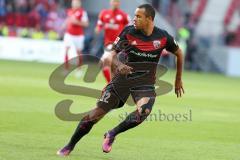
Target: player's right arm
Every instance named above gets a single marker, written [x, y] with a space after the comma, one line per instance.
[100, 23]
[121, 68]
[119, 46]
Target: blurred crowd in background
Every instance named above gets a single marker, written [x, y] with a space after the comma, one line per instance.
[38, 19]
[42, 19]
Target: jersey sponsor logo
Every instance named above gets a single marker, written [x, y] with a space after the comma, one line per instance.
[156, 44]
[112, 25]
[119, 17]
[143, 54]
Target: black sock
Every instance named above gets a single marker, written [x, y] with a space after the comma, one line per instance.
[131, 121]
[82, 129]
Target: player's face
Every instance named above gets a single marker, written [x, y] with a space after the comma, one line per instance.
[140, 20]
[115, 4]
[76, 3]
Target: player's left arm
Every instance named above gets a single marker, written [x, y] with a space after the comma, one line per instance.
[172, 46]
[179, 91]
[119, 47]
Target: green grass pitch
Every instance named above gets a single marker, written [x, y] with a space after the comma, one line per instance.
[29, 129]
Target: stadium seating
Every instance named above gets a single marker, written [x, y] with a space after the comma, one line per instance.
[228, 20]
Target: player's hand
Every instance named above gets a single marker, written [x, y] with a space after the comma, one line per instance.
[179, 91]
[97, 31]
[124, 69]
[73, 20]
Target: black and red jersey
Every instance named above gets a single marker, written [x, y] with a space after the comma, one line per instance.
[142, 53]
[141, 48]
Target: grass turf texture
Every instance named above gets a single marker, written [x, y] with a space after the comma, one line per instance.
[30, 130]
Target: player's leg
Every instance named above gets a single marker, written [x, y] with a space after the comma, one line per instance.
[144, 108]
[66, 58]
[79, 72]
[106, 63]
[109, 100]
[86, 124]
[106, 68]
[67, 44]
[83, 128]
[79, 54]
[79, 45]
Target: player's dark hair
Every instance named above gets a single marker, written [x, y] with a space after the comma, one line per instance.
[149, 10]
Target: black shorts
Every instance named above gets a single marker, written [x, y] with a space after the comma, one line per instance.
[114, 97]
[139, 84]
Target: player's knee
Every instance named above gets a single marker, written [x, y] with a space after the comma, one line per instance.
[86, 122]
[106, 62]
[96, 119]
[98, 116]
[92, 118]
[146, 109]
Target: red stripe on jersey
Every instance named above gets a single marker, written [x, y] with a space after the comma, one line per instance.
[147, 45]
[163, 42]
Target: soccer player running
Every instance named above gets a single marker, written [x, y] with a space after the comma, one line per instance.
[112, 21]
[74, 37]
[136, 77]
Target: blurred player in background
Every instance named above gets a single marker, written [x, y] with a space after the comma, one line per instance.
[112, 21]
[77, 19]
